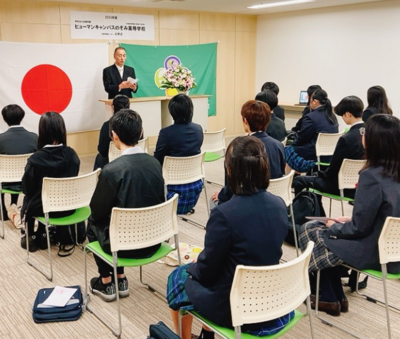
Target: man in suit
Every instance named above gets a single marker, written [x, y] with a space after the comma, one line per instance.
[133, 180]
[115, 77]
[349, 146]
[276, 128]
[16, 140]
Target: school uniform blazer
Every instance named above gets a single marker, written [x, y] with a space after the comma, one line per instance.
[277, 163]
[17, 140]
[369, 111]
[276, 128]
[280, 112]
[313, 123]
[112, 79]
[179, 140]
[246, 230]
[356, 241]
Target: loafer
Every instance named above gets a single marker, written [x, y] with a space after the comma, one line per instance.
[331, 308]
[344, 305]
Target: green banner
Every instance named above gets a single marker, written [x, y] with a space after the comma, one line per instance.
[150, 63]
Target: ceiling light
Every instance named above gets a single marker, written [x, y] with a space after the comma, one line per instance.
[282, 3]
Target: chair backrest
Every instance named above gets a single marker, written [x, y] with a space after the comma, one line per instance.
[268, 292]
[64, 194]
[282, 187]
[326, 143]
[12, 167]
[113, 152]
[214, 141]
[134, 228]
[349, 173]
[389, 241]
[284, 141]
[183, 170]
[144, 144]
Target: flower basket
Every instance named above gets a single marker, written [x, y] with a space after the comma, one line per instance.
[177, 79]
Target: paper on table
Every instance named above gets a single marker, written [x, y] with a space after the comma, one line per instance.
[132, 81]
[60, 296]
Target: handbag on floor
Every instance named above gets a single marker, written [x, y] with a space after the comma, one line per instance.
[161, 331]
[44, 314]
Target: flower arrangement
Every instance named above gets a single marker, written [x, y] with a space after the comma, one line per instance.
[179, 78]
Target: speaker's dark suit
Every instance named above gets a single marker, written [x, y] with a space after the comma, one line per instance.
[112, 79]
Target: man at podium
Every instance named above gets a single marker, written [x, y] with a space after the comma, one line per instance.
[118, 78]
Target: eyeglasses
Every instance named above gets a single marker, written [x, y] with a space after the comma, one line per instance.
[362, 130]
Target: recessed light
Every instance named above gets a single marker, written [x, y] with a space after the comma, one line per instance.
[282, 3]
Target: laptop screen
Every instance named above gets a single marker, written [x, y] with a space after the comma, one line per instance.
[303, 100]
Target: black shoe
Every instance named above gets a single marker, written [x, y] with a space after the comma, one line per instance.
[353, 281]
[123, 287]
[105, 291]
[41, 241]
[331, 308]
[32, 243]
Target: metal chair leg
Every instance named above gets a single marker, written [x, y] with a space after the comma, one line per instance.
[308, 304]
[294, 230]
[2, 235]
[34, 264]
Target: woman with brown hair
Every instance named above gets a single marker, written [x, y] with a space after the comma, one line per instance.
[377, 102]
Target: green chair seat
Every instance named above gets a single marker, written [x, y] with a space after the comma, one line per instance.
[330, 196]
[378, 275]
[6, 191]
[230, 333]
[126, 262]
[211, 156]
[81, 214]
[323, 163]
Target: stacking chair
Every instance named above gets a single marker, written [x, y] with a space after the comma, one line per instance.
[12, 169]
[214, 146]
[347, 178]
[132, 229]
[64, 194]
[144, 144]
[325, 146]
[389, 251]
[185, 170]
[264, 293]
[284, 141]
[113, 152]
[282, 187]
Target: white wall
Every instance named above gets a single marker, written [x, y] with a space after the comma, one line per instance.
[344, 49]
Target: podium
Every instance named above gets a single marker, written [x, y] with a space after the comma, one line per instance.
[155, 115]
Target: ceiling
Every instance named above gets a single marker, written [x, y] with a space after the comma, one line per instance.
[222, 6]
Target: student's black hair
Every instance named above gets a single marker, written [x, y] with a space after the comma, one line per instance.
[269, 98]
[120, 102]
[12, 114]
[127, 125]
[272, 86]
[376, 97]
[52, 130]
[351, 104]
[181, 109]
[323, 99]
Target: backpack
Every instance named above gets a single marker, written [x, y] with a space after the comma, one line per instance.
[305, 204]
[161, 331]
[64, 237]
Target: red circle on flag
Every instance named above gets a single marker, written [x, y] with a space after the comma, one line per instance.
[46, 88]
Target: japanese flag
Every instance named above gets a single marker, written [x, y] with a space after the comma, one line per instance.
[53, 77]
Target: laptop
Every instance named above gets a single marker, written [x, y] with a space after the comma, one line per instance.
[303, 99]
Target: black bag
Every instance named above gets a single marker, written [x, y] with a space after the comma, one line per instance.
[305, 204]
[161, 331]
[64, 237]
[45, 314]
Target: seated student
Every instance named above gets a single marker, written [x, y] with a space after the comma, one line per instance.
[16, 140]
[310, 90]
[52, 159]
[119, 102]
[182, 139]
[276, 127]
[355, 240]
[349, 146]
[278, 111]
[133, 180]
[256, 116]
[246, 230]
[377, 102]
[301, 155]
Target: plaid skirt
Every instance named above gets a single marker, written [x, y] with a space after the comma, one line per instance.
[188, 195]
[177, 298]
[321, 257]
[297, 162]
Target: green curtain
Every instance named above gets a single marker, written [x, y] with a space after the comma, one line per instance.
[150, 61]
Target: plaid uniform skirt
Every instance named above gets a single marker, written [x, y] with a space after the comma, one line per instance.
[321, 257]
[297, 162]
[188, 195]
[177, 298]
